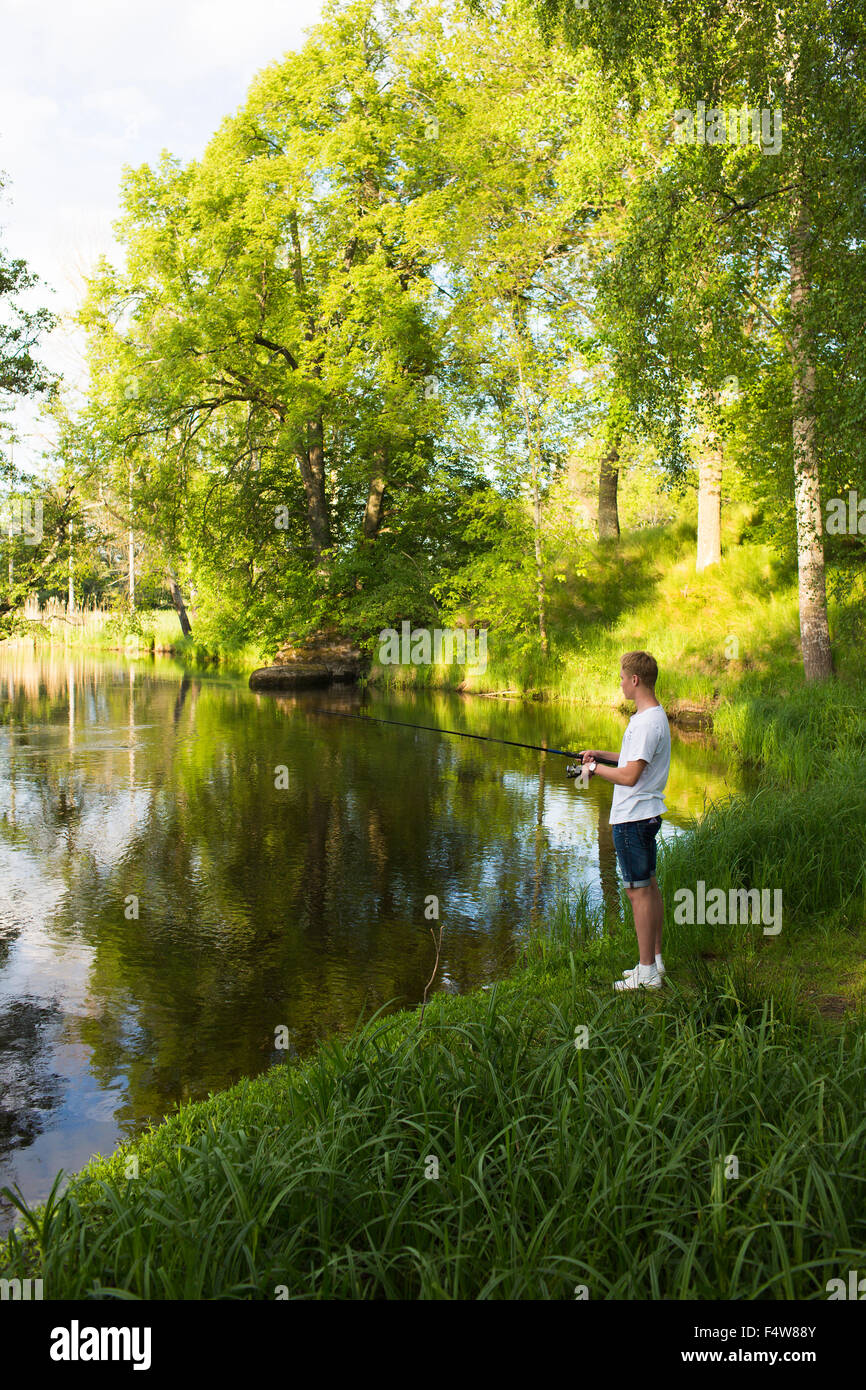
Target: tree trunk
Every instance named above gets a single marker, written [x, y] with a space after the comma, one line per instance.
[177, 600]
[710, 503]
[311, 462]
[131, 549]
[608, 480]
[814, 628]
[539, 568]
[534, 451]
[373, 510]
[311, 459]
[70, 607]
[709, 546]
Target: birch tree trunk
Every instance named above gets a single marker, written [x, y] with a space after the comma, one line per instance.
[709, 549]
[814, 628]
[539, 568]
[608, 481]
[709, 545]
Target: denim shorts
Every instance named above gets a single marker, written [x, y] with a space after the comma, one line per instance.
[635, 844]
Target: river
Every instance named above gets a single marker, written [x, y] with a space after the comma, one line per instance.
[186, 866]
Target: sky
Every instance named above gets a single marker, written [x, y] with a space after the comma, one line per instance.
[87, 86]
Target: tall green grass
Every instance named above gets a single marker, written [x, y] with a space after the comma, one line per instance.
[800, 735]
[810, 842]
[148, 631]
[559, 1165]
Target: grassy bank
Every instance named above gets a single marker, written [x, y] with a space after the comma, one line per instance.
[730, 630]
[609, 1165]
[727, 643]
[150, 632]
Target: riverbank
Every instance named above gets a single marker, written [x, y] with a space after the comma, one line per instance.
[151, 632]
[727, 632]
[544, 1135]
[488, 1153]
[726, 640]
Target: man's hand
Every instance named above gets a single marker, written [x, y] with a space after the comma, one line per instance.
[599, 755]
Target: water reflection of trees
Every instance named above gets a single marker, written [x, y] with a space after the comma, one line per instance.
[610, 886]
[259, 905]
[27, 1088]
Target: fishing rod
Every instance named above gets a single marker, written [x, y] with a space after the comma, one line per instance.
[457, 733]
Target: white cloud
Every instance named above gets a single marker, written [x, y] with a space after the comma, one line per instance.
[127, 111]
[257, 31]
[165, 39]
[90, 86]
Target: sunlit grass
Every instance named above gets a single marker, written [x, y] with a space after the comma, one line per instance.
[147, 632]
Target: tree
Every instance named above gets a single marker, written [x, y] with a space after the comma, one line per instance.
[791, 216]
[21, 373]
[35, 527]
[380, 245]
[265, 355]
[538, 187]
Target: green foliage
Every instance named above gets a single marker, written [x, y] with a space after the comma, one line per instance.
[497, 587]
[20, 330]
[358, 280]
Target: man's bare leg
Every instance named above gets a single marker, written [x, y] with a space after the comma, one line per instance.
[659, 913]
[647, 923]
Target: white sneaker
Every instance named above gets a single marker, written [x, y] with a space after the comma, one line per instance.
[661, 969]
[642, 977]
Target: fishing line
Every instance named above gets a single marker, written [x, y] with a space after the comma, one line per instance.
[457, 733]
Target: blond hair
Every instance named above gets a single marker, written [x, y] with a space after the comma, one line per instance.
[642, 665]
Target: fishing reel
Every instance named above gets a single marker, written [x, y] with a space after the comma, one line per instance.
[578, 769]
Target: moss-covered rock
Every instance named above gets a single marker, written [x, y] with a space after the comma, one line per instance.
[321, 659]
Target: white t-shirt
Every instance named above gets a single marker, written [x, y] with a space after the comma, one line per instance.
[648, 736]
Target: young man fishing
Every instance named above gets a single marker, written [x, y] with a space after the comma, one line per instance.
[639, 780]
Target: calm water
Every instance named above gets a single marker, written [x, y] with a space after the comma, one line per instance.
[137, 788]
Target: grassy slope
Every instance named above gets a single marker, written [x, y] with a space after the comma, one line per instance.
[643, 592]
[559, 1165]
